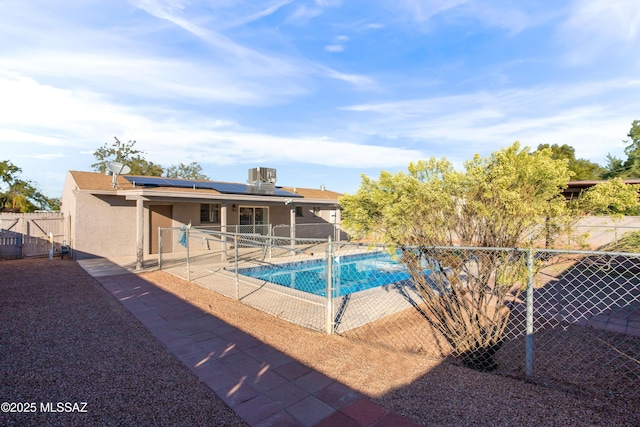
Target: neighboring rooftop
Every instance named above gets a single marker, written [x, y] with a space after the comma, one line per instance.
[574, 188]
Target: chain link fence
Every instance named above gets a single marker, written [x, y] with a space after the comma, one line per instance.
[595, 236]
[567, 319]
[230, 264]
[314, 231]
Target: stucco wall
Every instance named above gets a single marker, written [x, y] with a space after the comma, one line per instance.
[602, 230]
[105, 226]
[185, 213]
[68, 207]
[280, 214]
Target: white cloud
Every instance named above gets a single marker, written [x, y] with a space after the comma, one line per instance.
[337, 45]
[617, 20]
[303, 14]
[132, 60]
[264, 11]
[227, 148]
[229, 82]
[155, 78]
[590, 117]
[82, 119]
[595, 28]
[424, 10]
[329, 3]
[47, 156]
[355, 79]
[246, 62]
[334, 48]
[513, 16]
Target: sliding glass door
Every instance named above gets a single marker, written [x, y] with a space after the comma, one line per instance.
[254, 220]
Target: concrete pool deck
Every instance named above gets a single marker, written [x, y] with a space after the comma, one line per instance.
[293, 305]
[261, 384]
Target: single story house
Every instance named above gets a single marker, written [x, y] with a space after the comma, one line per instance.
[116, 215]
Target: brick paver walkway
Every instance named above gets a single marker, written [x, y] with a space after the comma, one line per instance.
[261, 384]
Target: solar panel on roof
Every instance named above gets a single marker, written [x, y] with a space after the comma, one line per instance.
[279, 192]
[229, 188]
[232, 188]
[153, 181]
[221, 187]
[143, 180]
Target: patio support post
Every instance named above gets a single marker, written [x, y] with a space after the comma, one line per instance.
[139, 233]
[529, 314]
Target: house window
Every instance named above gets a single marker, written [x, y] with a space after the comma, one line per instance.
[210, 212]
[299, 211]
[254, 220]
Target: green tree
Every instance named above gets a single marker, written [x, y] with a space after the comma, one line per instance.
[629, 168]
[583, 170]
[124, 152]
[8, 171]
[493, 203]
[191, 171]
[496, 202]
[614, 167]
[20, 195]
[612, 197]
[140, 166]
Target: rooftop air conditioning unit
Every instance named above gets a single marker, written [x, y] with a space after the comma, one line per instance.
[257, 175]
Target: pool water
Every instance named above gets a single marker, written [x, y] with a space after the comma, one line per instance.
[352, 273]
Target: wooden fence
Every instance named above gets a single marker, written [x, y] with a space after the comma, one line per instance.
[31, 234]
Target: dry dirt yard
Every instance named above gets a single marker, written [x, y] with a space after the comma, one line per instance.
[429, 391]
[63, 337]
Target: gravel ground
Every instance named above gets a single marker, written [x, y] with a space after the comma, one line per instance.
[429, 391]
[63, 338]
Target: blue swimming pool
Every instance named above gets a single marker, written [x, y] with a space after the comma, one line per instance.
[352, 273]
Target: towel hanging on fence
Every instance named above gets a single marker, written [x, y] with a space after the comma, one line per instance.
[182, 237]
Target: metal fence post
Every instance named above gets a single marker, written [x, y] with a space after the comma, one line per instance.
[329, 276]
[235, 244]
[529, 314]
[270, 240]
[188, 261]
[159, 248]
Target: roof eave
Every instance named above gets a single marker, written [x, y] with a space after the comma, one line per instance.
[156, 194]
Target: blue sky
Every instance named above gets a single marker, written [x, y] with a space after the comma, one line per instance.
[321, 90]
